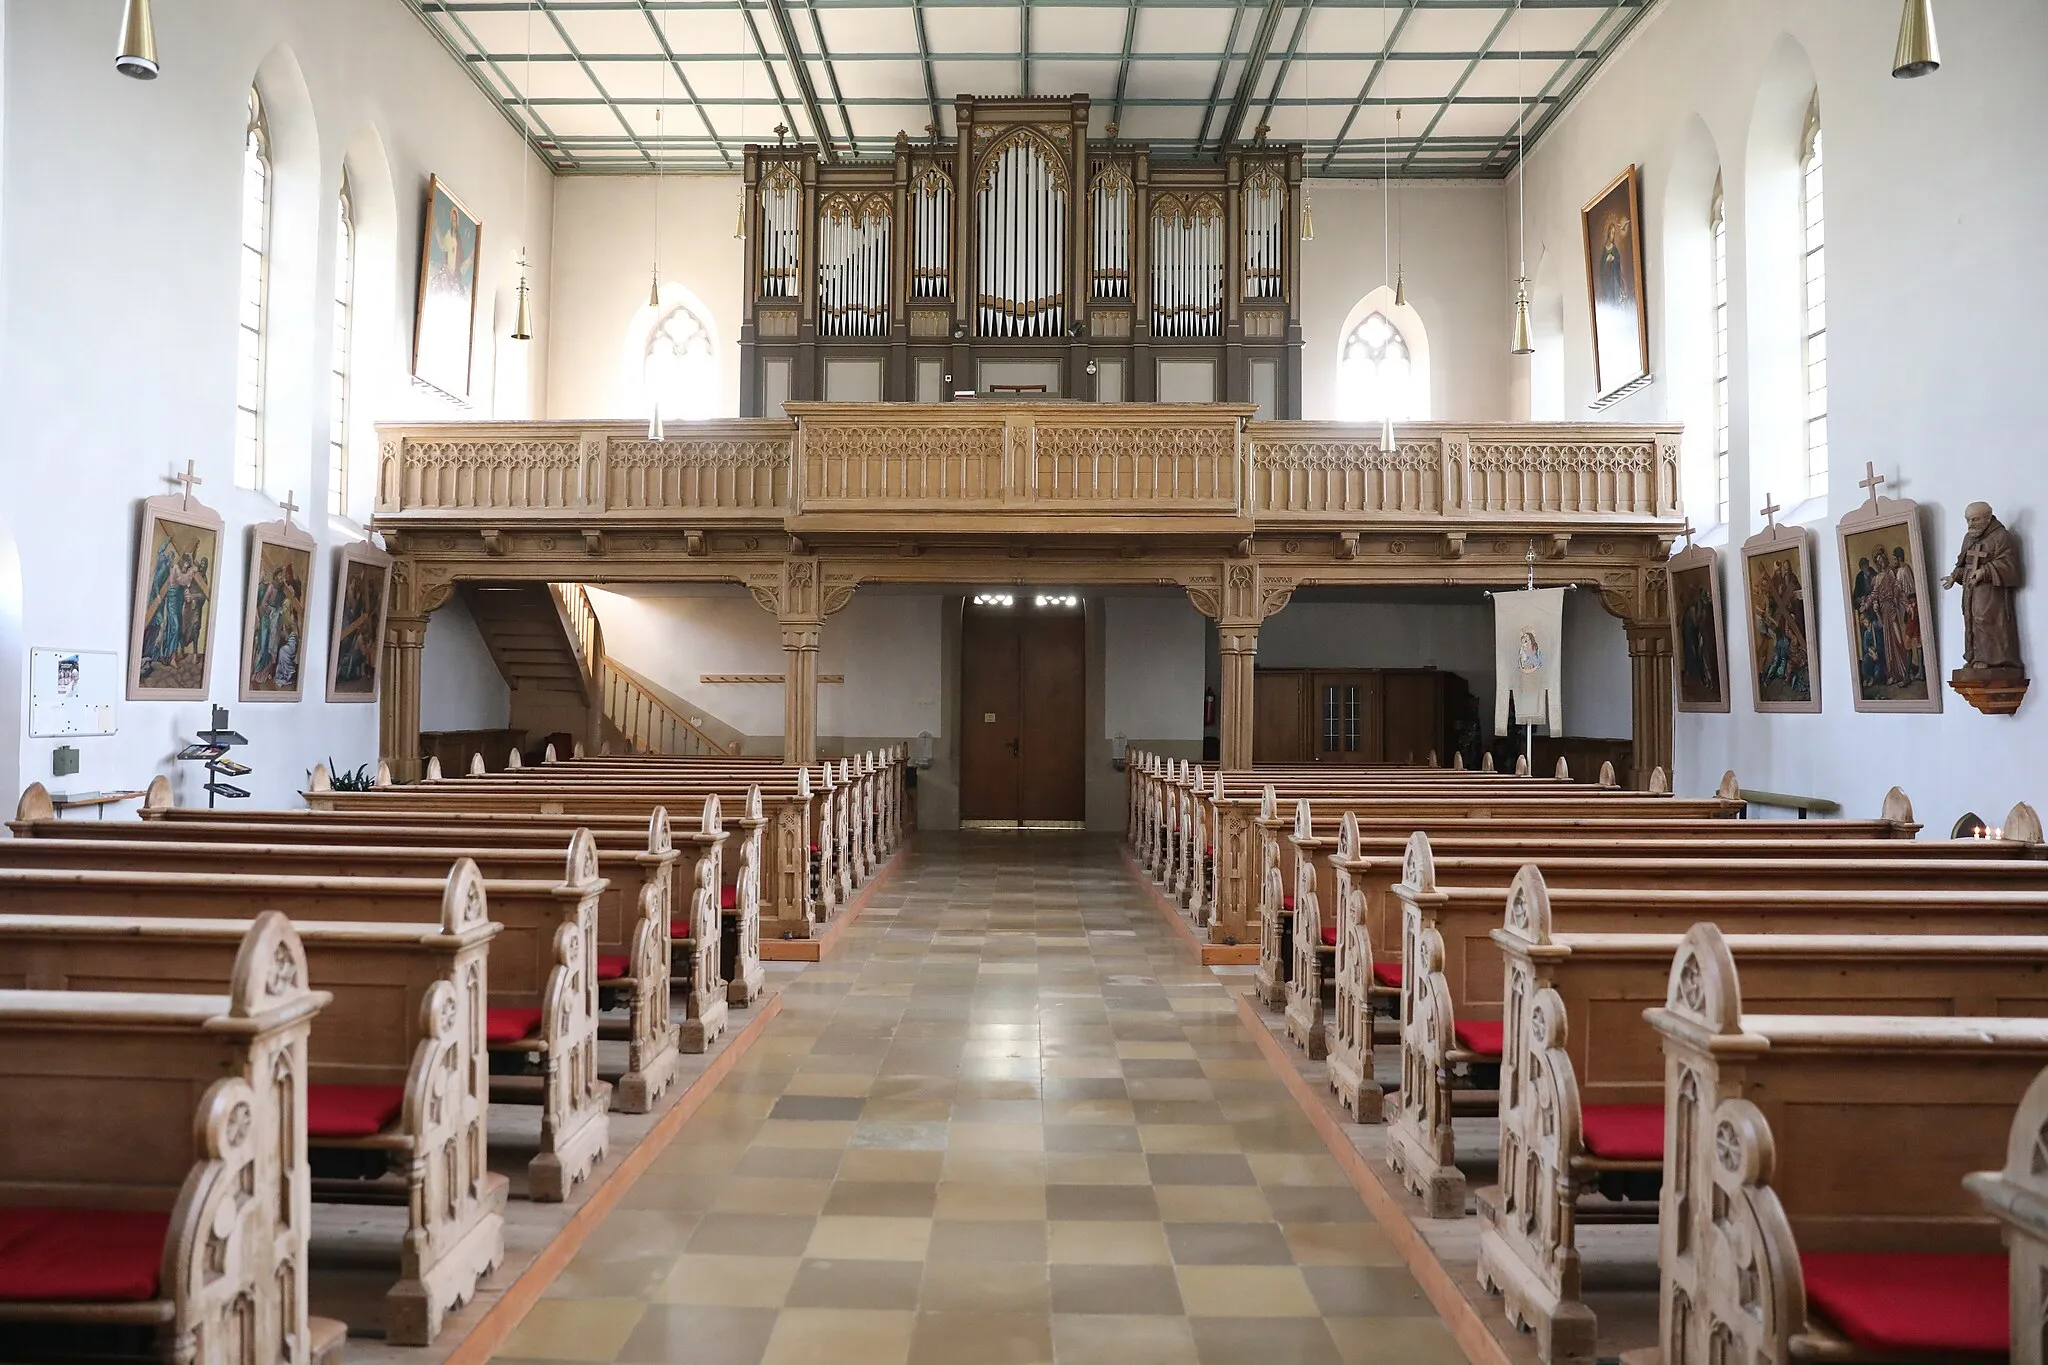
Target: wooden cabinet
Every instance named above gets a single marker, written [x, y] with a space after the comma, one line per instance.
[1372, 715]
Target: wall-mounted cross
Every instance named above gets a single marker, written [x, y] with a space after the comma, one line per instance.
[188, 479]
[289, 507]
[1769, 512]
[1872, 480]
[1686, 531]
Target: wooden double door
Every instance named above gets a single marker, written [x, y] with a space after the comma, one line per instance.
[1023, 690]
[1379, 715]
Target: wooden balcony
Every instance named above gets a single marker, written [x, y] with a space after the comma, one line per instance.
[953, 470]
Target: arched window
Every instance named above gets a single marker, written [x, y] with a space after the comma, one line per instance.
[338, 382]
[1376, 370]
[1814, 327]
[679, 368]
[254, 291]
[1718, 225]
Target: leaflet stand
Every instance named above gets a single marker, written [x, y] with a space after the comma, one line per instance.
[211, 749]
[1529, 727]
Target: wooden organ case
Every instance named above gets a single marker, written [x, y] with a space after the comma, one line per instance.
[1023, 259]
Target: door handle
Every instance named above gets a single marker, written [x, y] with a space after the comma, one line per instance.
[1016, 747]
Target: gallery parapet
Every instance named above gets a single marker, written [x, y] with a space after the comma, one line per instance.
[1021, 468]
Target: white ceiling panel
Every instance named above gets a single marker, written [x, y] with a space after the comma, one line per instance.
[870, 54]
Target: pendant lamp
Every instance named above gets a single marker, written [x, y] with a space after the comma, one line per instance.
[1524, 343]
[1400, 270]
[522, 320]
[1521, 342]
[1917, 54]
[137, 56]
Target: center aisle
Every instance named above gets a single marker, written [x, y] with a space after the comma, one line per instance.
[1010, 1123]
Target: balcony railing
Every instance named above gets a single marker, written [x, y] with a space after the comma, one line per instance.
[1024, 467]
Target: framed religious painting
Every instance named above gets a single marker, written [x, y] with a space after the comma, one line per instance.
[1699, 629]
[1614, 280]
[355, 648]
[445, 322]
[177, 584]
[1888, 609]
[275, 612]
[1777, 572]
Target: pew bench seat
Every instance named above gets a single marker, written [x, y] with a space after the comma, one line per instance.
[1912, 1303]
[340, 1111]
[1623, 1133]
[511, 1025]
[62, 1255]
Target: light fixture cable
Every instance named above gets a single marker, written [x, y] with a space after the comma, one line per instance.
[522, 318]
[1387, 442]
[1522, 343]
[654, 424]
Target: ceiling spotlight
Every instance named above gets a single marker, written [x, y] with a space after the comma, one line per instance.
[1917, 54]
[137, 56]
[994, 599]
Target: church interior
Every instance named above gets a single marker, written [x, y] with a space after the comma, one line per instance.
[1022, 682]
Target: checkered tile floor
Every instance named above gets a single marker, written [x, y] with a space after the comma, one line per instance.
[1010, 1123]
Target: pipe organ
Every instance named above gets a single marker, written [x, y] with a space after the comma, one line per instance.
[1023, 258]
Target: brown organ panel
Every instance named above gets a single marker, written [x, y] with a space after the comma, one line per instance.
[1354, 716]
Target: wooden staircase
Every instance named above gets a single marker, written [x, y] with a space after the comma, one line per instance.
[530, 641]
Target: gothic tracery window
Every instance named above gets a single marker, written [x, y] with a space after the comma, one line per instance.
[680, 367]
[1377, 371]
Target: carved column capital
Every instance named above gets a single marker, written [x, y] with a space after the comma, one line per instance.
[800, 635]
[1238, 639]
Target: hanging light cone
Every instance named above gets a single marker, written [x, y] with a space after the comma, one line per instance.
[1400, 290]
[1387, 443]
[1308, 219]
[654, 290]
[739, 219]
[654, 428]
[1523, 344]
[137, 56]
[1918, 54]
[522, 320]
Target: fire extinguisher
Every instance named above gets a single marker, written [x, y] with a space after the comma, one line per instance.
[1208, 706]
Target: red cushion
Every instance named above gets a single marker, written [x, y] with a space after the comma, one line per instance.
[81, 1255]
[1329, 935]
[1899, 1302]
[509, 1024]
[1287, 904]
[1623, 1132]
[351, 1111]
[1482, 1036]
[613, 966]
[1209, 852]
[729, 898]
[815, 849]
[1387, 974]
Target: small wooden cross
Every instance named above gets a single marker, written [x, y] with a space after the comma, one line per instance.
[1769, 512]
[781, 132]
[1871, 480]
[188, 478]
[1686, 531]
[289, 507]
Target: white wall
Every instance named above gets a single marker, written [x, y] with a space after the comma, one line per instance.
[460, 685]
[885, 644]
[1935, 203]
[119, 258]
[604, 235]
[1598, 692]
[1152, 668]
[1454, 248]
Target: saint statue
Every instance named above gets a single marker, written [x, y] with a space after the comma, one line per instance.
[1988, 570]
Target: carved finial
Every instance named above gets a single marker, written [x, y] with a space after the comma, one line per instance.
[1730, 788]
[781, 133]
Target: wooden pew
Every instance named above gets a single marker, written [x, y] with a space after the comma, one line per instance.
[394, 1066]
[1455, 975]
[647, 831]
[632, 915]
[541, 1009]
[787, 836]
[1312, 826]
[1350, 899]
[1813, 1205]
[151, 1169]
[1572, 1114]
[2016, 1195]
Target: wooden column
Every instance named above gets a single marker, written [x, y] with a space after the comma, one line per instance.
[398, 703]
[1650, 683]
[799, 691]
[1240, 647]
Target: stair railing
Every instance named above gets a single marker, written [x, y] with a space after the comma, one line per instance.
[646, 721]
